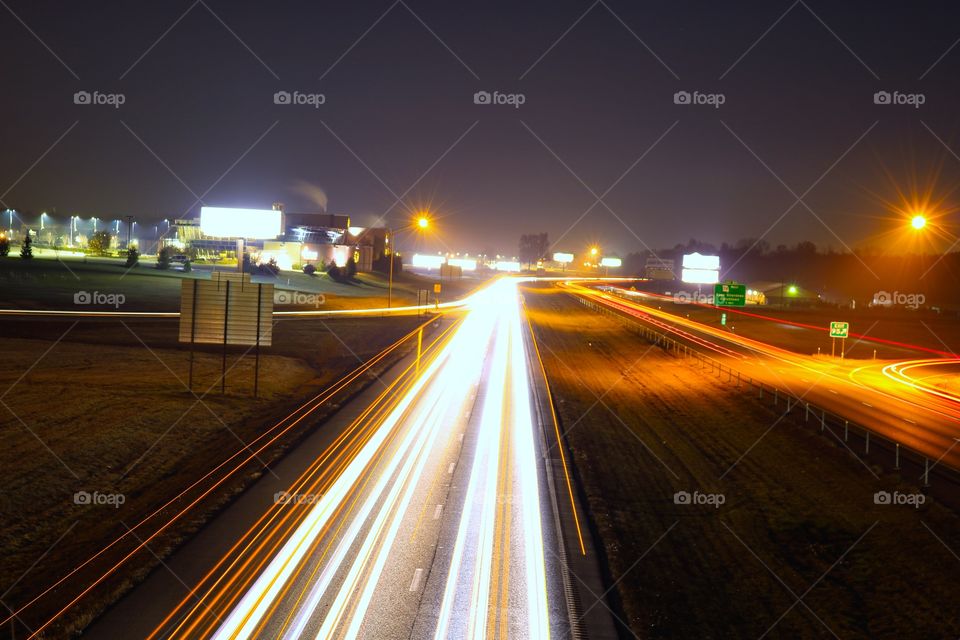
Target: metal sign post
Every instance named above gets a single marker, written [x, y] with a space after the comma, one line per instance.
[839, 330]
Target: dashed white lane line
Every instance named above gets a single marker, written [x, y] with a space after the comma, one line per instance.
[450, 468]
[866, 404]
[415, 583]
[909, 420]
[437, 512]
[832, 391]
[461, 437]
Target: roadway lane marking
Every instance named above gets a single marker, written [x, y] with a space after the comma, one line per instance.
[909, 420]
[467, 415]
[415, 583]
[437, 512]
[461, 437]
[450, 468]
[832, 391]
[867, 405]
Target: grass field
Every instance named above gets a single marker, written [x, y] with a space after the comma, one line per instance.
[798, 519]
[103, 406]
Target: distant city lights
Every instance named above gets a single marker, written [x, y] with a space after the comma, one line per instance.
[427, 261]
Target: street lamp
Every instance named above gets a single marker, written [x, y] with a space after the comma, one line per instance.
[423, 223]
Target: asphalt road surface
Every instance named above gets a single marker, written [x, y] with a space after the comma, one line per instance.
[431, 514]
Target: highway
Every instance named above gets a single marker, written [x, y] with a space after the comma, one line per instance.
[428, 517]
[879, 394]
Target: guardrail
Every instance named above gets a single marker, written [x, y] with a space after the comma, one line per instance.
[842, 429]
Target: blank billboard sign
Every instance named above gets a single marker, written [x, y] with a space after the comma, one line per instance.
[229, 222]
[227, 309]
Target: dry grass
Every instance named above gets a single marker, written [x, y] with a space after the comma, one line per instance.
[99, 411]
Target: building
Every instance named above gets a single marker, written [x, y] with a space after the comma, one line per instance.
[318, 239]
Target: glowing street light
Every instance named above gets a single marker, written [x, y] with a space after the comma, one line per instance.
[423, 223]
[918, 222]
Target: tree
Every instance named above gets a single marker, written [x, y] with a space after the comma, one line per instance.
[351, 267]
[26, 248]
[163, 258]
[133, 256]
[100, 242]
[533, 247]
[4, 246]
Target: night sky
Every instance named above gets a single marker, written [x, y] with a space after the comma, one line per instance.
[199, 120]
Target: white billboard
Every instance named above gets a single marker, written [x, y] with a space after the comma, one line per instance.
[611, 262]
[698, 261]
[230, 222]
[700, 276]
[563, 258]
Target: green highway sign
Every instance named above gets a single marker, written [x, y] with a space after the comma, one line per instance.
[839, 329]
[729, 295]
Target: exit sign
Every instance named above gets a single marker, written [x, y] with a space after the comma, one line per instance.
[730, 295]
[839, 329]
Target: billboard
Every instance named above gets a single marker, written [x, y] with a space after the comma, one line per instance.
[230, 222]
[227, 309]
[700, 269]
[611, 262]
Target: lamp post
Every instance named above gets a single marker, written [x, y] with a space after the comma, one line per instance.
[422, 223]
